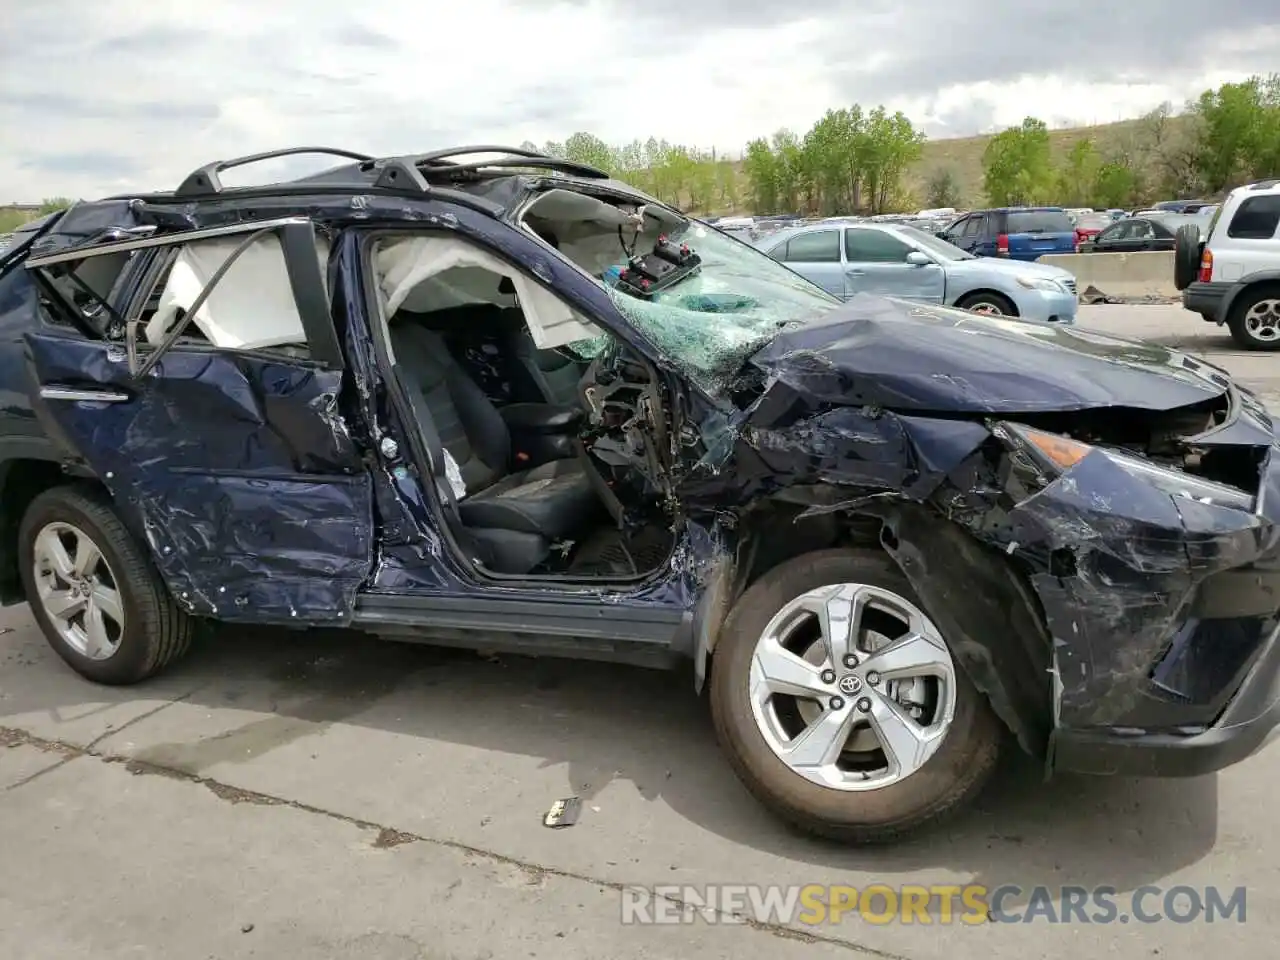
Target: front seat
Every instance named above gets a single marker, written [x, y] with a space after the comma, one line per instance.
[514, 517]
[554, 374]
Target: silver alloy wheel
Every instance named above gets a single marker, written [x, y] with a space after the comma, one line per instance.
[852, 687]
[1262, 321]
[987, 308]
[78, 591]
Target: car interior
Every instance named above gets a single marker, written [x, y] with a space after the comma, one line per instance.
[549, 432]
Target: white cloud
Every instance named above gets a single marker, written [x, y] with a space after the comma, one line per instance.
[120, 95]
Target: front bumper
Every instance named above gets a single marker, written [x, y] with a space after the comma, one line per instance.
[1164, 609]
[1206, 299]
[1047, 305]
[1250, 722]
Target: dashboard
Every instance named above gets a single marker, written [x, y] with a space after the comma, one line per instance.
[626, 427]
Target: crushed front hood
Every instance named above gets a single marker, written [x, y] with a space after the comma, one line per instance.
[916, 357]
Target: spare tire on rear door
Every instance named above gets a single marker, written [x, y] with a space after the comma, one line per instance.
[1187, 251]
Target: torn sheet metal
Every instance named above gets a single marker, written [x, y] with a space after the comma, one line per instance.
[916, 358]
[239, 473]
[1129, 577]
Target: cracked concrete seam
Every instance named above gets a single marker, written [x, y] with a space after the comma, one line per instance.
[385, 837]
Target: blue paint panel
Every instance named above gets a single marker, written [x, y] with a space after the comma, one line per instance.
[238, 471]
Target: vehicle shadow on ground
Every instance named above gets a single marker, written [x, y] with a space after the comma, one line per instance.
[605, 723]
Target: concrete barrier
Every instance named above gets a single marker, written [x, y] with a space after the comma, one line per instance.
[1120, 274]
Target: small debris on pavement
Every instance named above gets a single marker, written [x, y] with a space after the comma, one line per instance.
[563, 813]
[247, 928]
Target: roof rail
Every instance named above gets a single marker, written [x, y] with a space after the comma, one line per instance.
[1264, 184]
[205, 180]
[438, 161]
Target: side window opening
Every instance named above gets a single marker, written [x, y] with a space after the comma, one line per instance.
[81, 293]
[252, 307]
[820, 246]
[1257, 219]
[874, 246]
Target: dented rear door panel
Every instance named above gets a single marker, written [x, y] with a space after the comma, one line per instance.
[237, 470]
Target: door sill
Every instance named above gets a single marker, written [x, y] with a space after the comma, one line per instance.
[555, 627]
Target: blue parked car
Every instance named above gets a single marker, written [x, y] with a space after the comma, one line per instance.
[901, 261]
[1017, 233]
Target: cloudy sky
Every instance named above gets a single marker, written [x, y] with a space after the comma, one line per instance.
[100, 96]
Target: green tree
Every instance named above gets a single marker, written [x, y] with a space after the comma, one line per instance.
[891, 145]
[54, 204]
[1238, 131]
[835, 149]
[761, 167]
[589, 149]
[794, 180]
[1116, 185]
[1017, 165]
[726, 185]
[943, 189]
[1078, 175]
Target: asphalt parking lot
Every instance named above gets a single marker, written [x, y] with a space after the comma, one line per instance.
[292, 795]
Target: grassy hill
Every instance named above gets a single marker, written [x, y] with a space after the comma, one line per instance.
[963, 156]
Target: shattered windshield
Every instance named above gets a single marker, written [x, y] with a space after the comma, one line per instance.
[709, 323]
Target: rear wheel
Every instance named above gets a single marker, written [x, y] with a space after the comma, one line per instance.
[96, 596]
[1255, 318]
[840, 706]
[991, 304]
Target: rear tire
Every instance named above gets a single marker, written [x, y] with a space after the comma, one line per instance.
[97, 597]
[989, 304]
[1255, 318]
[837, 804]
[1187, 250]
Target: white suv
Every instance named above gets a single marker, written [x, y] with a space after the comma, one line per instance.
[1232, 274]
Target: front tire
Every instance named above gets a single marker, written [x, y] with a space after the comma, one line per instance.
[988, 304]
[100, 602]
[867, 749]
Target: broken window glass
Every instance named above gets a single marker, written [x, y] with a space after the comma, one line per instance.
[708, 324]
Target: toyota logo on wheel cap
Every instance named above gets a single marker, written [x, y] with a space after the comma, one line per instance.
[849, 684]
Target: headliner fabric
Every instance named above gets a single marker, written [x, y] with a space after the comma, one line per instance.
[403, 266]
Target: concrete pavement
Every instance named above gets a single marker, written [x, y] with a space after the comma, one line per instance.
[317, 795]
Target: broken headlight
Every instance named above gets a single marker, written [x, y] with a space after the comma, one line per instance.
[1054, 454]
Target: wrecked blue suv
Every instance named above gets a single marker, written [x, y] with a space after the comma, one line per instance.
[487, 398]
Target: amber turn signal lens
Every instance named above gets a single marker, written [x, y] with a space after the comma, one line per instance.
[1063, 452]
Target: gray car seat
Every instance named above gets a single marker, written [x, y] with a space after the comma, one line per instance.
[514, 516]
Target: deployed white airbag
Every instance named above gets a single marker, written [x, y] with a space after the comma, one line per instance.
[251, 307]
[403, 266]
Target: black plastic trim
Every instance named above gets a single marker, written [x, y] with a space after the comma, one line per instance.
[310, 293]
[205, 180]
[586, 630]
[1207, 298]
